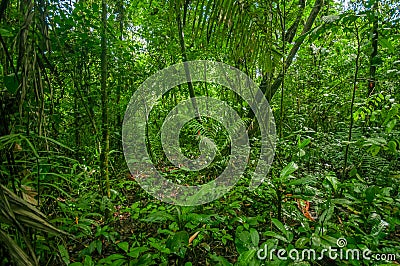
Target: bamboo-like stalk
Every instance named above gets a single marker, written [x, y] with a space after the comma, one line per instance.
[353, 97]
[374, 43]
[104, 101]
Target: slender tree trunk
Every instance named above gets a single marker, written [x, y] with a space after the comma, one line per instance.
[104, 100]
[352, 100]
[372, 69]
[76, 120]
[121, 19]
[283, 24]
[184, 57]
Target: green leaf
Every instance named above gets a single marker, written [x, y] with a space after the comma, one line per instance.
[124, 246]
[178, 243]
[99, 246]
[246, 257]
[374, 150]
[119, 262]
[371, 192]
[343, 202]
[95, 8]
[301, 153]
[115, 257]
[333, 181]
[304, 143]
[11, 83]
[159, 216]
[56, 142]
[390, 125]
[316, 240]
[244, 237]
[289, 169]
[362, 113]
[392, 146]
[30, 145]
[386, 44]
[280, 226]
[275, 235]
[64, 254]
[373, 116]
[221, 261]
[160, 246]
[88, 261]
[301, 181]
[327, 214]
[356, 116]
[207, 246]
[301, 242]
[135, 252]
[5, 33]
[254, 237]
[329, 240]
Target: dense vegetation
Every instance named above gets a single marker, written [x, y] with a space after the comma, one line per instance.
[330, 71]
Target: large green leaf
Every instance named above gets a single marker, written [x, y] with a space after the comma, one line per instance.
[11, 83]
[288, 170]
[5, 33]
[178, 243]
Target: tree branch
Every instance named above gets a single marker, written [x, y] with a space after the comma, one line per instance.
[307, 27]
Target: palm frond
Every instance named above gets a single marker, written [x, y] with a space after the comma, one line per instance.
[17, 212]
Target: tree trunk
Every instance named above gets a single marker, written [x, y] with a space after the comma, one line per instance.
[104, 100]
[184, 57]
[372, 68]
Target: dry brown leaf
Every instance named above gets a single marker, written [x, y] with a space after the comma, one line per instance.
[193, 237]
[17, 147]
[28, 194]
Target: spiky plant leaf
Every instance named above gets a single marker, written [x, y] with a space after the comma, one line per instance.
[17, 254]
[19, 210]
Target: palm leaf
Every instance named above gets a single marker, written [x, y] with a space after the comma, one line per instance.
[19, 213]
[17, 254]
[18, 210]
